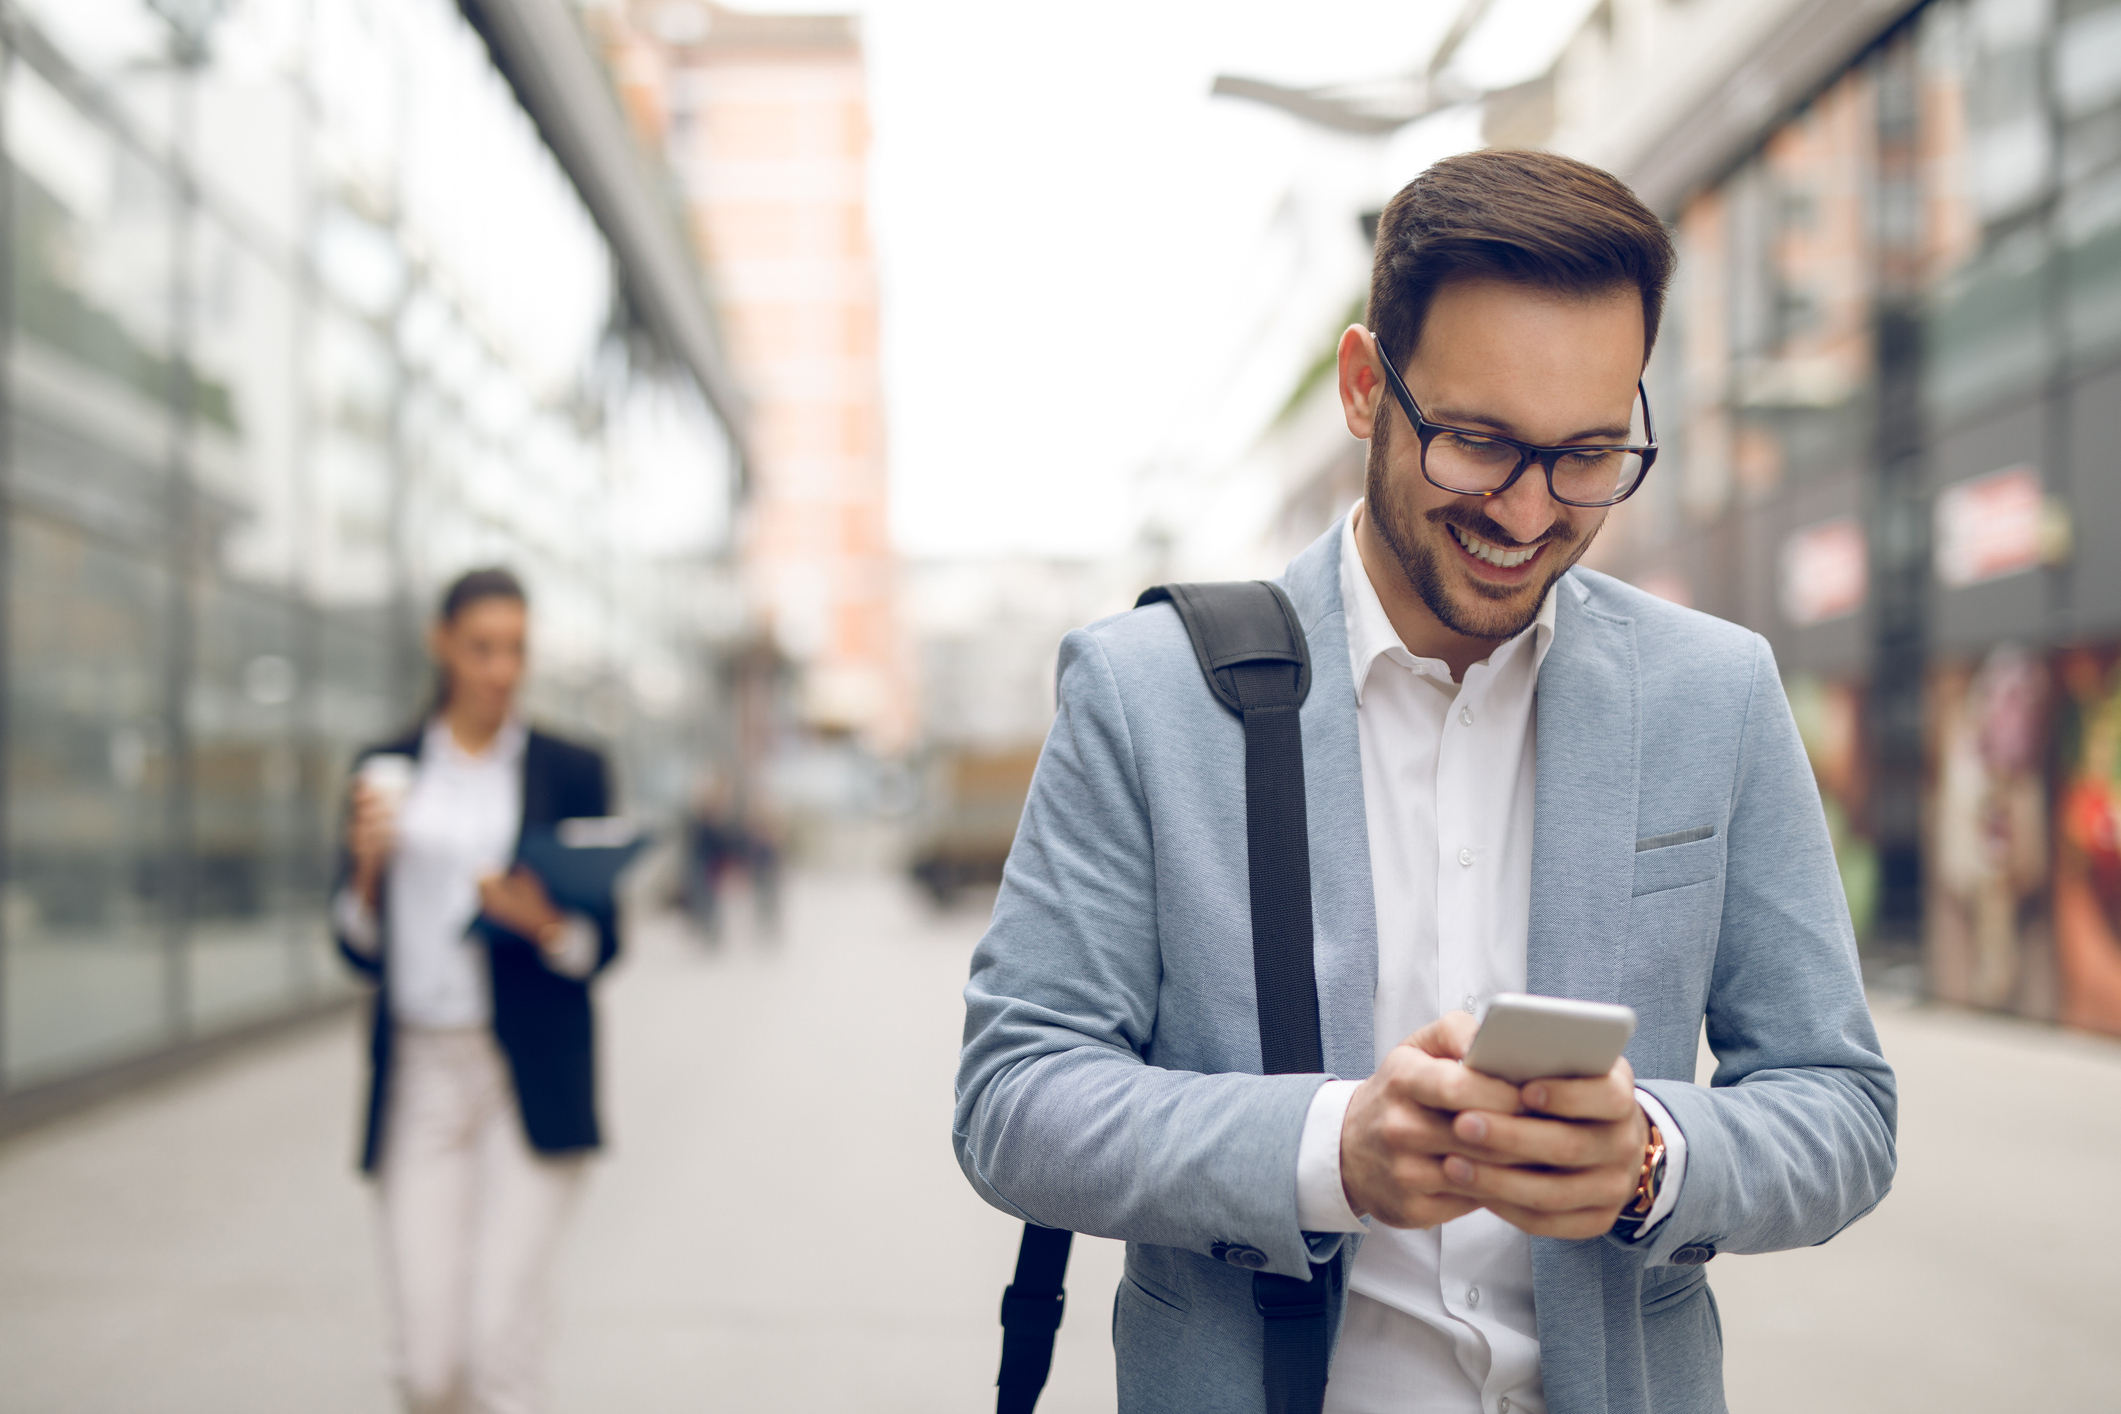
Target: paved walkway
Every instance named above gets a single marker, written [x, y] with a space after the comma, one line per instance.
[780, 1226]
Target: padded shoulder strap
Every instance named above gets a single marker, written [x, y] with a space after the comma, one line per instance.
[1238, 621]
[1253, 654]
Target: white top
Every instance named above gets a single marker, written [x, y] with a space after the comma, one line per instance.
[1448, 774]
[458, 824]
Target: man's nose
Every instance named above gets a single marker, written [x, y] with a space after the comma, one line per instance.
[1526, 510]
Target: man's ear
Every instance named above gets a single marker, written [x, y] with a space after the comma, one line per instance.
[1361, 384]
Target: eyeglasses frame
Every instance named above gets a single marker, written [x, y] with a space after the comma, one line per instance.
[1527, 453]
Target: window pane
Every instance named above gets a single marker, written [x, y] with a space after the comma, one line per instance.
[251, 833]
[91, 442]
[88, 781]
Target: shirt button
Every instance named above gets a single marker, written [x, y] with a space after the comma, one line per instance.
[1465, 714]
[1504, 1407]
[1465, 857]
[1472, 1296]
[1467, 1001]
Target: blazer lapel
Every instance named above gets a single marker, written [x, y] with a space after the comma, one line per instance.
[537, 789]
[1583, 832]
[1344, 911]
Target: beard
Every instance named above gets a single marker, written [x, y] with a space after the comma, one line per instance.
[1495, 613]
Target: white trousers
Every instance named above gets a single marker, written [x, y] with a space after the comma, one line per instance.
[472, 1218]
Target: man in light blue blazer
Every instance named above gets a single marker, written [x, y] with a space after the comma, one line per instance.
[1669, 853]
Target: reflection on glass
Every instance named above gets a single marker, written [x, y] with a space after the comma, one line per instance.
[248, 895]
[244, 344]
[1990, 167]
[88, 782]
[256, 416]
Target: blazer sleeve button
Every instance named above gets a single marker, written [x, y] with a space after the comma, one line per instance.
[1693, 1254]
[1250, 1258]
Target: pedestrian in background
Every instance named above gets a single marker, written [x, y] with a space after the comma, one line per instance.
[482, 1100]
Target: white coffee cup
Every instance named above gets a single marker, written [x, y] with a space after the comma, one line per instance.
[388, 777]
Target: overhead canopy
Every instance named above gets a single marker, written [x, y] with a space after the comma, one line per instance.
[539, 47]
[1816, 40]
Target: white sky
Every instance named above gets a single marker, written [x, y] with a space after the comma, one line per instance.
[1092, 270]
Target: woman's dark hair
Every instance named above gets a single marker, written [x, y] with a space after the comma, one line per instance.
[467, 589]
[1529, 218]
[473, 585]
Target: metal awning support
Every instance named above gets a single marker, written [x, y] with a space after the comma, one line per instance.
[539, 47]
[1734, 111]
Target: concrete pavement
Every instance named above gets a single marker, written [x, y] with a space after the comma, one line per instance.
[779, 1224]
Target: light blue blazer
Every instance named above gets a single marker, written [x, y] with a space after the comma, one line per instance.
[1110, 1076]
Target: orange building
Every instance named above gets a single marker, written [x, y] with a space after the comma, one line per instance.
[764, 119]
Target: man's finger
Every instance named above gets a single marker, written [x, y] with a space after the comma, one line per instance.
[1581, 1223]
[1559, 1143]
[1610, 1096]
[1449, 1036]
[1423, 1079]
[1544, 1192]
[1411, 1129]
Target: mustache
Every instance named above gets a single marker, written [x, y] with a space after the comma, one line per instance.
[1474, 523]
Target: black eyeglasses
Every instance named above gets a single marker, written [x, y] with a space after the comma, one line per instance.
[1468, 463]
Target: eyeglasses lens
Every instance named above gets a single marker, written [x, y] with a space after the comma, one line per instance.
[1477, 465]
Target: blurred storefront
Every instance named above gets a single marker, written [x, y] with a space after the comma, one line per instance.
[1890, 397]
[303, 316]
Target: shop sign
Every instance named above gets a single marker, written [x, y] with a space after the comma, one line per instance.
[1826, 571]
[1989, 527]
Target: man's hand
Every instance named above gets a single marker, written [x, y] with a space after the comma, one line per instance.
[1564, 1166]
[518, 902]
[1426, 1140]
[1397, 1134]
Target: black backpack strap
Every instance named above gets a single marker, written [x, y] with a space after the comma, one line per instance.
[1031, 1313]
[1253, 653]
[1254, 656]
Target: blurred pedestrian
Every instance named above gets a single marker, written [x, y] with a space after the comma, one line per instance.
[723, 839]
[1466, 676]
[482, 1098]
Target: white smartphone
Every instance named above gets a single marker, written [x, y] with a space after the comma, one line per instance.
[1525, 1038]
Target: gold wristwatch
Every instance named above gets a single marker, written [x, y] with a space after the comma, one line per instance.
[1631, 1218]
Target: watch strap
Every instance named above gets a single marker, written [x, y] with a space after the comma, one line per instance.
[1647, 1182]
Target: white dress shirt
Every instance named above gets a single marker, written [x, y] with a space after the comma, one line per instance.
[458, 824]
[1440, 1320]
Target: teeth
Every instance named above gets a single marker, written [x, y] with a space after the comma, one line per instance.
[1494, 555]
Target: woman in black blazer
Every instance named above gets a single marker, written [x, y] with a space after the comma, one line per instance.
[482, 1097]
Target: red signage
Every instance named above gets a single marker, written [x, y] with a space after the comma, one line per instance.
[1826, 571]
[1989, 527]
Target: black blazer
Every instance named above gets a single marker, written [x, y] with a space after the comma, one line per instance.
[541, 1019]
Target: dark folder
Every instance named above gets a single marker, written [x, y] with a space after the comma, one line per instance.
[579, 861]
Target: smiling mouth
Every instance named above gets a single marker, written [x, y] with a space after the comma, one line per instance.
[1494, 554]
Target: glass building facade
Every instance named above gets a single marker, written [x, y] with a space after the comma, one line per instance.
[1891, 396]
[300, 319]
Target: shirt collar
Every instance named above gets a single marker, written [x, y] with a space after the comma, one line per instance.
[506, 747]
[1371, 635]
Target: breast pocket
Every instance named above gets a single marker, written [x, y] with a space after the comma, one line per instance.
[1677, 859]
[1673, 920]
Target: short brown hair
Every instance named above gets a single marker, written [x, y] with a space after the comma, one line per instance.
[1530, 218]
